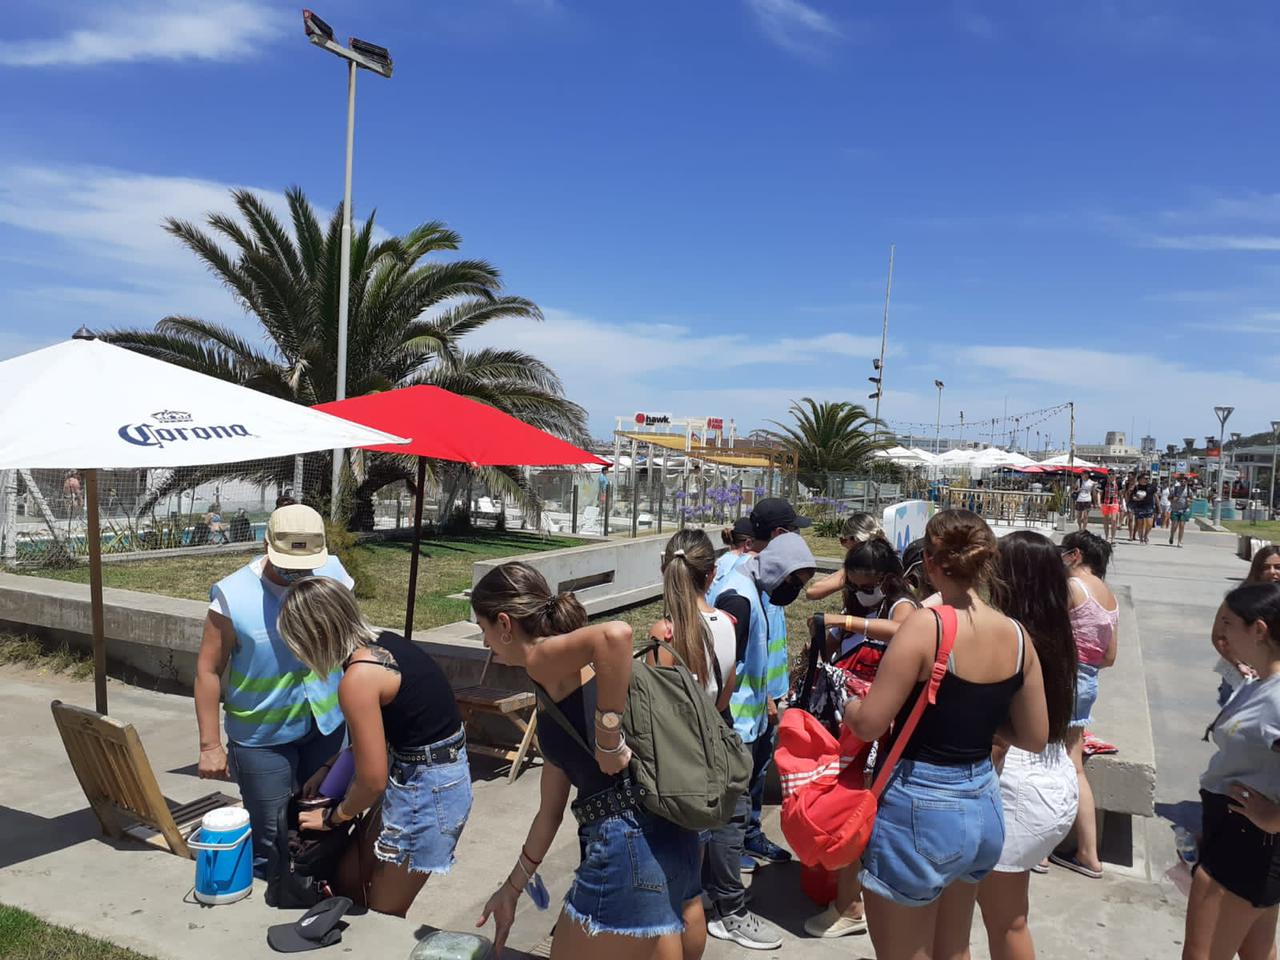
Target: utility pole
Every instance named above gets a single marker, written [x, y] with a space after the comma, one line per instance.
[878, 380]
[1071, 450]
[1223, 413]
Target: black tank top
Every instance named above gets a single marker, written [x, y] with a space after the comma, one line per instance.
[423, 711]
[564, 751]
[959, 727]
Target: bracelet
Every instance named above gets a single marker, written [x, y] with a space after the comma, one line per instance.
[848, 624]
[613, 751]
[528, 874]
[216, 746]
[508, 883]
[524, 853]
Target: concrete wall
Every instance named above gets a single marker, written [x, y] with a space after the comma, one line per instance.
[634, 566]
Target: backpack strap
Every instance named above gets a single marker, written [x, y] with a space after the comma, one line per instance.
[946, 617]
[552, 709]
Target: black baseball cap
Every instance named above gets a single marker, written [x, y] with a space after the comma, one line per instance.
[319, 927]
[774, 512]
[742, 527]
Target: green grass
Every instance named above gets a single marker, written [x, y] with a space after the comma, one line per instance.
[444, 568]
[29, 652]
[1263, 529]
[27, 937]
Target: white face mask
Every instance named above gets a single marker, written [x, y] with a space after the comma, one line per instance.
[869, 599]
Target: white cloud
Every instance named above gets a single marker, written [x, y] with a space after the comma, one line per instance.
[1218, 241]
[155, 30]
[794, 26]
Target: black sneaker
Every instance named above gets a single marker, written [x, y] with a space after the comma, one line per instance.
[762, 848]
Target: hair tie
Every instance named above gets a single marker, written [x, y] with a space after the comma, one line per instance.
[678, 553]
[550, 606]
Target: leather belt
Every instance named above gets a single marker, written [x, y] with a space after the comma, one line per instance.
[608, 803]
[446, 751]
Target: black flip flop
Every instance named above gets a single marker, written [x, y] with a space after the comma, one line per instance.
[321, 926]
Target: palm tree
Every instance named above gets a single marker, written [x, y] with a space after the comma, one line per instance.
[407, 318]
[828, 438]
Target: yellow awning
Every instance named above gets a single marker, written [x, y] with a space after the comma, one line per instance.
[724, 456]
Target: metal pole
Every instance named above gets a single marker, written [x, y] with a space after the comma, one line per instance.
[635, 492]
[1217, 503]
[1071, 454]
[94, 538]
[573, 516]
[937, 428]
[344, 279]
[1271, 495]
[417, 541]
[884, 338]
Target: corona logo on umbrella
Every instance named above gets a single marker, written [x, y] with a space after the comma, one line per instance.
[152, 435]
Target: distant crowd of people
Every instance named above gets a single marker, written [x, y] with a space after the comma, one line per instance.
[1139, 502]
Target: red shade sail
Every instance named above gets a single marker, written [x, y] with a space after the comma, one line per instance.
[446, 426]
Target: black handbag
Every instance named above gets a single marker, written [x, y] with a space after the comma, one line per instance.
[303, 862]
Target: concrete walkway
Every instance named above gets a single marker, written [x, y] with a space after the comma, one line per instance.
[53, 862]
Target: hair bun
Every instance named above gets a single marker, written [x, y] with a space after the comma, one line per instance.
[961, 543]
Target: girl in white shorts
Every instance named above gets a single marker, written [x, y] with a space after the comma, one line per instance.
[1039, 791]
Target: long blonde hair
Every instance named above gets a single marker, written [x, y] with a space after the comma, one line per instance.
[687, 562]
[320, 622]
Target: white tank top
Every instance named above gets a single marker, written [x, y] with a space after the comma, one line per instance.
[725, 643]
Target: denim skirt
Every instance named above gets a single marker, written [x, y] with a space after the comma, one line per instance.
[637, 873]
[424, 809]
[1086, 695]
[936, 824]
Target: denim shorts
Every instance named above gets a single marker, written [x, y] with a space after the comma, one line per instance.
[637, 873]
[936, 825]
[424, 809]
[1086, 695]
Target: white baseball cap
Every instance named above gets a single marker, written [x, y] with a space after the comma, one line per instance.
[295, 538]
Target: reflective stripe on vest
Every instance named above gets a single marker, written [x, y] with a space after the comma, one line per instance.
[271, 696]
[749, 704]
[778, 676]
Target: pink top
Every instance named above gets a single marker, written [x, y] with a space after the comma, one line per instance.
[1094, 627]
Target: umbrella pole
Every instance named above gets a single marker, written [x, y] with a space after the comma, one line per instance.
[94, 538]
[417, 540]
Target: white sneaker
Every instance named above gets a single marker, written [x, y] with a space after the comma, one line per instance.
[746, 930]
[831, 923]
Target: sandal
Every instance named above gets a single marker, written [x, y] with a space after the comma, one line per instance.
[1074, 865]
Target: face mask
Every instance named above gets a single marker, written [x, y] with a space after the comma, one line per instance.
[869, 599]
[786, 593]
[293, 576]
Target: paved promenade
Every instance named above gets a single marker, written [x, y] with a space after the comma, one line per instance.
[53, 863]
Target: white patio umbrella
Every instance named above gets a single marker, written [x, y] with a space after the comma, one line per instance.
[1061, 461]
[87, 405]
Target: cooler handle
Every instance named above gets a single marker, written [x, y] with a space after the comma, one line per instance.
[216, 847]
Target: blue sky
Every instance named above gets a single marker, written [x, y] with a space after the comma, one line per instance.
[701, 195]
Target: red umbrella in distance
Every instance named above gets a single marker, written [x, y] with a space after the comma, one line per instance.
[445, 426]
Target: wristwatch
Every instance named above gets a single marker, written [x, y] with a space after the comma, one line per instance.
[329, 814]
[608, 721]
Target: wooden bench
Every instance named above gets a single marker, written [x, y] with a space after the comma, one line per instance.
[509, 705]
[107, 757]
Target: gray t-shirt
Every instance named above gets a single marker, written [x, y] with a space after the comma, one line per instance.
[1245, 733]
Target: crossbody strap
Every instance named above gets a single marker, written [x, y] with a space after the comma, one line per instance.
[946, 617]
[553, 710]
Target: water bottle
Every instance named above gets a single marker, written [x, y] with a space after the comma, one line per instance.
[1185, 843]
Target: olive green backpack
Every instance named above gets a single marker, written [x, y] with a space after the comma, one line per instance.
[689, 765]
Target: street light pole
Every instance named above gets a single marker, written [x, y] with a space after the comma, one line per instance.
[1271, 496]
[1223, 413]
[937, 431]
[367, 56]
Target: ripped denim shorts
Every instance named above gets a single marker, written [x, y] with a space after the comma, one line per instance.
[637, 873]
[424, 809]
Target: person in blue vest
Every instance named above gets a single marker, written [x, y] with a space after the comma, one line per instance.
[779, 572]
[282, 721]
[772, 517]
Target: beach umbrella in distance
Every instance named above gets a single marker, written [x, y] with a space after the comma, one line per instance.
[86, 405]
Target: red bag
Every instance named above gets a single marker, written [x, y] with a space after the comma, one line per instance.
[827, 813]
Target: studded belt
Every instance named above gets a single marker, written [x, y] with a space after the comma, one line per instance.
[446, 751]
[608, 803]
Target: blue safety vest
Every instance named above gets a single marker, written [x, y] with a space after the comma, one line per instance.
[778, 673]
[271, 696]
[749, 704]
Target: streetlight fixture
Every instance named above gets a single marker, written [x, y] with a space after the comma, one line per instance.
[1223, 413]
[937, 431]
[359, 54]
[1271, 497]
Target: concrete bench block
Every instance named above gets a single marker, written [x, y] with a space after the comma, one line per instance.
[1125, 782]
